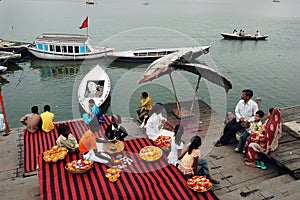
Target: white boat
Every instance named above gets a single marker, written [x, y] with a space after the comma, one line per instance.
[54, 46]
[90, 2]
[2, 69]
[6, 56]
[150, 54]
[95, 85]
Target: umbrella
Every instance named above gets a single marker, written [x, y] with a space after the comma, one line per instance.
[180, 61]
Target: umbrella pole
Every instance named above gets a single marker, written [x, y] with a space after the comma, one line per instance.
[177, 102]
[195, 93]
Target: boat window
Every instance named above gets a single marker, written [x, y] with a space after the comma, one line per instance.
[82, 49]
[152, 53]
[40, 46]
[76, 49]
[142, 54]
[136, 54]
[51, 47]
[46, 47]
[168, 52]
[162, 53]
[57, 48]
[64, 49]
[70, 49]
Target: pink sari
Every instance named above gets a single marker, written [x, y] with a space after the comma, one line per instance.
[269, 135]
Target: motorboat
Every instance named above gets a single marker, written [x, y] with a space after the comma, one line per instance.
[94, 85]
[148, 55]
[56, 46]
[236, 36]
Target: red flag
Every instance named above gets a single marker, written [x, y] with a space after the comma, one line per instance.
[85, 23]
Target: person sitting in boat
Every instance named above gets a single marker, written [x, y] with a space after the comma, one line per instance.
[95, 112]
[66, 138]
[115, 131]
[235, 32]
[155, 123]
[143, 111]
[257, 33]
[91, 147]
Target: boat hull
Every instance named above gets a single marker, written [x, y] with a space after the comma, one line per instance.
[85, 91]
[245, 37]
[69, 56]
[130, 56]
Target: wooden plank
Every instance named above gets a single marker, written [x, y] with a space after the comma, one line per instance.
[285, 138]
[288, 146]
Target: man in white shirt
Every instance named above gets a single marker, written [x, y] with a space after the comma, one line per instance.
[244, 110]
[155, 123]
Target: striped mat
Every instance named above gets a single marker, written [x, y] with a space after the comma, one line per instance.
[36, 143]
[138, 180]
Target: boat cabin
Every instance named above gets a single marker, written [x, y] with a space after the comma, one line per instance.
[63, 43]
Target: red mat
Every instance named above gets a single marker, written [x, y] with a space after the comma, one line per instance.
[140, 180]
[36, 143]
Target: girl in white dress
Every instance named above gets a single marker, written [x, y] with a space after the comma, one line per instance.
[176, 145]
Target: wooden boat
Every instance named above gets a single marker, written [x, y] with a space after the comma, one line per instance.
[243, 37]
[53, 46]
[95, 85]
[7, 56]
[14, 46]
[150, 54]
[90, 2]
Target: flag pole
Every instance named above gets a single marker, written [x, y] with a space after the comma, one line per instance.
[87, 28]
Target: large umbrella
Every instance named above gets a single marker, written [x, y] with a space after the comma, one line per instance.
[180, 61]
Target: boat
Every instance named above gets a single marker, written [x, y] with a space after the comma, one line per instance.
[148, 55]
[2, 69]
[14, 46]
[235, 36]
[8, 56]
[94, 85]
[60, 46]
[90, 2]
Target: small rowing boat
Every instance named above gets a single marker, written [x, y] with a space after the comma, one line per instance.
[94, 85]
[243, 37]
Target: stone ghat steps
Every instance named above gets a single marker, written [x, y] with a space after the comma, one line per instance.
[281, 187]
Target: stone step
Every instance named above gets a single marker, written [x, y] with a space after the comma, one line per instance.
[288, 190]
[267, 189]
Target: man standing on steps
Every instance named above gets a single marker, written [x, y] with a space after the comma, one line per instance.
[244, 110]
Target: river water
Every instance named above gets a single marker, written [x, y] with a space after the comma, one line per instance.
[270, 68]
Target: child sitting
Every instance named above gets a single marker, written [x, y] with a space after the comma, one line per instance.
[253, 125]
[66, 139]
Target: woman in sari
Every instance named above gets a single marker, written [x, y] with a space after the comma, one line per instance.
[265, 141]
